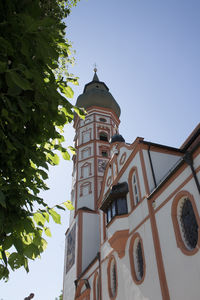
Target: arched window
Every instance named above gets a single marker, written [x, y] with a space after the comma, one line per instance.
[137, 261]
[134, 187]
[103, 136]
[186, 222]
[112, 278]
[83, 290]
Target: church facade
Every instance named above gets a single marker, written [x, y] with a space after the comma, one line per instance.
[134, 232]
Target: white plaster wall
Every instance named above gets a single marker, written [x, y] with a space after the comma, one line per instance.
[109, 174]
[182, 271]
[92, 270]
[117, 224]
[138, 215]
[89, 118]
[135, 163]
[121, 152]
[196, 161]
[79, 155]
[127, 289]
[88, 128]
[162, 163]
[90, 242]
[103, 127]
[149, 288]
[106, 117]
[173, 186]
[88, 199]
[86, 172]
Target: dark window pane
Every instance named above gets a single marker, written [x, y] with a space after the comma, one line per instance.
[121, 206]
[108, 215]
[113, 209]
[135, 189]
[140, 263]
[104, 153]
[102, 119]
[189, 224]
[103, 136]
[114, 278]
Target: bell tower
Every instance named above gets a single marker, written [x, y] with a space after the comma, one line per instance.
[92, 137]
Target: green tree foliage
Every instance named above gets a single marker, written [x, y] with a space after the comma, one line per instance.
[34, 60]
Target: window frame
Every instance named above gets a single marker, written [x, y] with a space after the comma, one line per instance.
[133, 172]
[114, 204]
[112, 261]
[96, 287]
[176, 223]
[135, 239]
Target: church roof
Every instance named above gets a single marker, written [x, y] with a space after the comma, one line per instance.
[96, 93]
[117, 138]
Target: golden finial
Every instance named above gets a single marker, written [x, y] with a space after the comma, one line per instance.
[95, 67]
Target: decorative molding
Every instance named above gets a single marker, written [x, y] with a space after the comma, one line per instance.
[118, 242]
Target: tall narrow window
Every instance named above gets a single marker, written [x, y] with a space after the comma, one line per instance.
[112, 278]
[139, 261]
[135, 189]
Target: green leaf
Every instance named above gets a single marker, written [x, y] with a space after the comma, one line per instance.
[73, 150]
[3, 67]
[4, 272]
[55, 216]
[60, 207]
[7, 244]
[2, 199]
[69, 205]
[4, 257]
[66, 155]
[81, 112]
[43, 245]
[54, 159]
[31, 251]
[69, 93]
[47, 231]
[16, 260]
[46, 215]
[19, 81]
[39, 218]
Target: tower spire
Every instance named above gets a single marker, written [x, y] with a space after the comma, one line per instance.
[95, 78]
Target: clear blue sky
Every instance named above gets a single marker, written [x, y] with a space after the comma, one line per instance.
[148, 54]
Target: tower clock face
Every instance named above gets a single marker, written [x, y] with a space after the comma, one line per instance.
[102, 165]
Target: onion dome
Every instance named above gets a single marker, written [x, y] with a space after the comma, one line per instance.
[117, 138]
[96, 93]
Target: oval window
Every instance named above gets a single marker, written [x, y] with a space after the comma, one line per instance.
[112, 278]
[102, 120]
[188, 223]
[137, 259]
